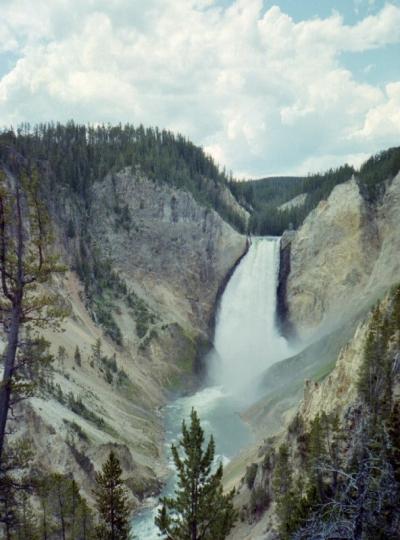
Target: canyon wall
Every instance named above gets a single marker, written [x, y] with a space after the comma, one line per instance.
[146, 262]
[342, 259]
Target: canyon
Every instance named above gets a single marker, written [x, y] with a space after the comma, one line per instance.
[149, 281]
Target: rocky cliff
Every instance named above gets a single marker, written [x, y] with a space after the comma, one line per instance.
[176, 251]
[342, 259]
[334, 429]
[146, 262]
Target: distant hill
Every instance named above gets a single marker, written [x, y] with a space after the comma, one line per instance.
[78, 156]
[263, 197]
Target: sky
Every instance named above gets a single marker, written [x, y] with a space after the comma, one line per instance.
[266, 87]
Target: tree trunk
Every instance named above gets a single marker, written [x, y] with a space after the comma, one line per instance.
[44, 523]
[193, 532]
[62, 518]
[84, 526]
[113, 531]
[9, 364]
[359, 517]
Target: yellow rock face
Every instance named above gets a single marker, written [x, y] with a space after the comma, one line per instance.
[343, 257]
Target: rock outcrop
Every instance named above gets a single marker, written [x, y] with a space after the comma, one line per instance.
[175, 251]
[342, 259]
[337, 396]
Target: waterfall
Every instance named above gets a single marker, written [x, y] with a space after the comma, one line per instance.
[246, 339]
[246, 343]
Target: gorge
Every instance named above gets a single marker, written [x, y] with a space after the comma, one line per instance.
[171, 306]
[246, 343]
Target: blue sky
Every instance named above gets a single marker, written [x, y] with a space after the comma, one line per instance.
[265, 87]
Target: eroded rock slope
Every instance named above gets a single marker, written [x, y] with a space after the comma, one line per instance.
[342, 259]
[145, 264]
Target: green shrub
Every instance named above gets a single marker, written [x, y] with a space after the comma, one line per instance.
[122, 378]
[144, 318]
[78, 407]
[105, 318]
[250, 476]
[76, 428]
[259, 501]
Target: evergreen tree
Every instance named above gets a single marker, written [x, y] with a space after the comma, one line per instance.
[15, 485]
[25, 263]
[112, 501]
[27, 527]
[200, 510]
[61, 511]
[395, 315]
[96, 355]
[317, 454]
[282, 484]
[77, 356]
[394, 434]
[62, 356]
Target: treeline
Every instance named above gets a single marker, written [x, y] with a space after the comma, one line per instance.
[69, 159]
[263, 197]
[79, 155]
[36, 506]
[376, 170]
[348, 486]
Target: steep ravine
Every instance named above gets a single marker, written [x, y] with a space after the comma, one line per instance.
[147, 261]
[153, 261]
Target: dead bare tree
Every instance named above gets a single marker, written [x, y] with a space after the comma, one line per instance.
[364, 495]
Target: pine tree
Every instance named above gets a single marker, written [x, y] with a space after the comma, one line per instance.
[25, 264]
[395, 316]
[77, 356]
[112, 501]
[15, 484]
[97, 353]
[317, 454]
[27, 526]
[200, 510]
[61, 511]
[394, 434]
[282, 484]
[62, 356]
[368, 379]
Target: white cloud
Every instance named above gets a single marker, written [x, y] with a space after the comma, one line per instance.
[261, 92]
[382, 122]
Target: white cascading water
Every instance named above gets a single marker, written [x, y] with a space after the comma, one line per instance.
[246, 337]
[247, 343]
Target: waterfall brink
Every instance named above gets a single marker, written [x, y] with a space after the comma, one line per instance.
[246, 339]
